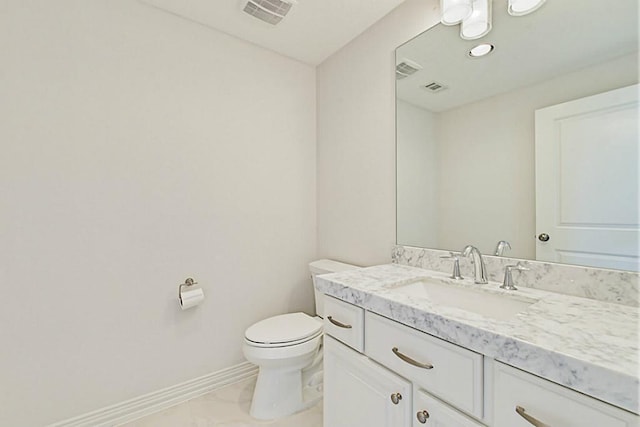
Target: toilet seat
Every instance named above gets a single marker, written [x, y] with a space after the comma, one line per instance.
[283, 330]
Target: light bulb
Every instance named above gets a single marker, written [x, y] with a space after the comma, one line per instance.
[479, 23]
[523, 7]
[454, 11]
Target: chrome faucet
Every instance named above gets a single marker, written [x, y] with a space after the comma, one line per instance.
[501, 247]
[479, 269]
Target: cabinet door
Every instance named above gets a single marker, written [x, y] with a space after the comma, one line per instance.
[361, 393]
[429, 411]
[543, 403]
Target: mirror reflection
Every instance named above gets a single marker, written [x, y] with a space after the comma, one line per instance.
[534, 145]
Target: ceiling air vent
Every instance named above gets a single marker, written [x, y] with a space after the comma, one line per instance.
[434, 87]
[406, 68]
[270, 11]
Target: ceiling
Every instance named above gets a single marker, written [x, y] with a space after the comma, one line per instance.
[311, 32]
[561, 37]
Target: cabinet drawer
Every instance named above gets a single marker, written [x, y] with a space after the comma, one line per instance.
[344, 322]
[429, 411]
[455, 375]
[551, 404]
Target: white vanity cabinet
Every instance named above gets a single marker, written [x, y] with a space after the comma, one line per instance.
[542, 403]
[361, 393]
[407, 378]
[394, 392]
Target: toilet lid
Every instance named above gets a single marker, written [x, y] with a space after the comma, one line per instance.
[284, 328]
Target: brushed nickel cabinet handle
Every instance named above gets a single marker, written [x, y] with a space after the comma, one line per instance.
[534, 422]
[410, 361]
[422, 417]
[396, 398]
[339, 324]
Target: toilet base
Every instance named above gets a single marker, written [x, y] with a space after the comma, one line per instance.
[283, 392]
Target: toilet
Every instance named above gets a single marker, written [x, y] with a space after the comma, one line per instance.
[288, 351]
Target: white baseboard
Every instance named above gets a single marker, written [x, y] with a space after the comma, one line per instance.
[161, 399]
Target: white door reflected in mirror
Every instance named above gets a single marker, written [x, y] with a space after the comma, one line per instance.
[587, 181]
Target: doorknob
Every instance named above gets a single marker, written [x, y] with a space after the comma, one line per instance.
[396, 398]
[544, 237]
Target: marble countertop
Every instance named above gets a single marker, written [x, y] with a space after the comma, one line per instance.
[587, 345]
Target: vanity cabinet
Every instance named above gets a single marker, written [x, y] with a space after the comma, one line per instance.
[407, 378]
[394, 382]
[360, 393]
[524, 400]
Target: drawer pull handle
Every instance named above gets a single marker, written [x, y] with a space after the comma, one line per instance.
[396, 398]
[422, 416]
[410, 361]
[534, 422]
[339, 324]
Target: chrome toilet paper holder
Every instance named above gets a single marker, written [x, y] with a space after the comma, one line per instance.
[187, 282]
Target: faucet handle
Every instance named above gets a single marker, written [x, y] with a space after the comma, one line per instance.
[520, 266]
[451, 255]
[456, 265]
[507, 283]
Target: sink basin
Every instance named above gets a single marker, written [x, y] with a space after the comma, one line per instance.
[494, 305]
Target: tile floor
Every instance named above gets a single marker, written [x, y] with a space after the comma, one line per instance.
[225, 407]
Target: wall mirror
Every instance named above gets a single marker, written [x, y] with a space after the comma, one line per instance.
[535, 144]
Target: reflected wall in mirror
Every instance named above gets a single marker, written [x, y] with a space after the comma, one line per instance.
[541, 123]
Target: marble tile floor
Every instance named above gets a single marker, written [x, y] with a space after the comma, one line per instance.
[225, 407]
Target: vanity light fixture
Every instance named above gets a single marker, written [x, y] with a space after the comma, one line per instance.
[478, 24]
[480, 50]
[523, 7]
[455, 11]
[474, 16]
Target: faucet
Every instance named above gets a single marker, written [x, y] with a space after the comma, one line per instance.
[479, 269]
[502, 246]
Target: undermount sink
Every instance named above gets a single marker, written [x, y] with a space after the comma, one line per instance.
[494, 305]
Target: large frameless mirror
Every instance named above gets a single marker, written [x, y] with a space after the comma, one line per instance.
[534, 144]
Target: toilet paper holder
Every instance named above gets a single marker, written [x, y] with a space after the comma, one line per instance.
[187, 282]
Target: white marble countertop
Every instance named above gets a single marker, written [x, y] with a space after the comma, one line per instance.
[586, 345]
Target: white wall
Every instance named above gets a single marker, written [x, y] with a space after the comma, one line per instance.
[356, 138]
[139, 149]
[417, 176]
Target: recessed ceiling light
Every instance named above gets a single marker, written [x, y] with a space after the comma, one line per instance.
[480, 50]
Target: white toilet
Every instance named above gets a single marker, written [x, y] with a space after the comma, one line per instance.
[288, 350]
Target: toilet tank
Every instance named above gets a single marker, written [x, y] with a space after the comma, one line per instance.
[325, 266]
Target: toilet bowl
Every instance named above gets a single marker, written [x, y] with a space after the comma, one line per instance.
[288, 351]
[287, 348]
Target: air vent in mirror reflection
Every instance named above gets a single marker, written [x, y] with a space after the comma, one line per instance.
[269, 11]
[405, 68]
[434, 87]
